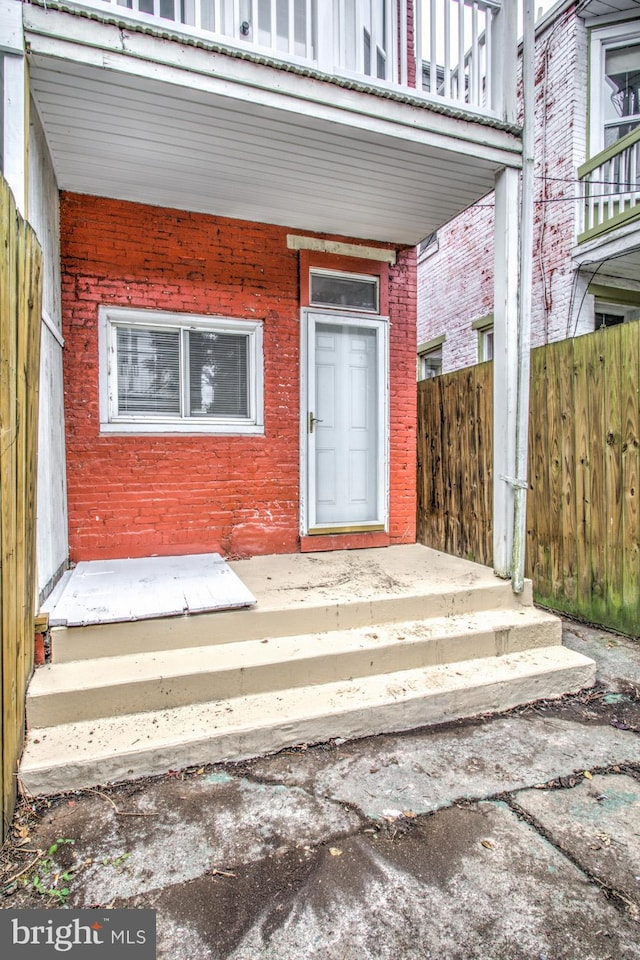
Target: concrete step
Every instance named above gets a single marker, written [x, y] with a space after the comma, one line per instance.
[90, 752]
[296, 598]
[110, 686]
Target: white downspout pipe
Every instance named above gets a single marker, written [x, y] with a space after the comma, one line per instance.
[524, 298]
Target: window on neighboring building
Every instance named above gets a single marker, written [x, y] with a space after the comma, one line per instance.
[606, 319]
[614, 107]
[484, 328]
[428, 246]
[177, 372]
[621, 91]
[610, 314]
[430, 358]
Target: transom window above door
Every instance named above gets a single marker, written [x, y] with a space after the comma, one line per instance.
[349, 291]
[179, 373]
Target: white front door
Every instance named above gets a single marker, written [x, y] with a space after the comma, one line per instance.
[345, 425]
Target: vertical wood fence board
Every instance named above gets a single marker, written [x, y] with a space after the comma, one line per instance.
[555, 360]
[20, 319]
[8, 478]
[583, 479]
[596, 346]
[6, 511]
[567, 401]
[613, 538]
[540, 479]
[630, 351]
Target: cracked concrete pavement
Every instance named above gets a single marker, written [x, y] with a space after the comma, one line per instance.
[513, 836]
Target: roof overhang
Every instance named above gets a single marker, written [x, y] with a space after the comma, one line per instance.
[612, 258]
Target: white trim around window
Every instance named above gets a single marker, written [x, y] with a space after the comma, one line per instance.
[614, 37]
[179, 373]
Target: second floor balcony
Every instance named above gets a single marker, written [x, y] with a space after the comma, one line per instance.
[347, 117]
[449, 51]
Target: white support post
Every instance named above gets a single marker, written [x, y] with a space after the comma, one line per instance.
[13, 89]
[505, 365]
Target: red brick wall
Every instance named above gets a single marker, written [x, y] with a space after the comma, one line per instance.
[136, 495]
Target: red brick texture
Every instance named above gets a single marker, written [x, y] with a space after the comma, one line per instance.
[138, 495]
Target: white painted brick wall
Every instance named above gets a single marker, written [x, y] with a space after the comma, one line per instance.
[455, 285]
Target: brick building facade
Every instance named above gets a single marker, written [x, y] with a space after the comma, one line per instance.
[135, 494]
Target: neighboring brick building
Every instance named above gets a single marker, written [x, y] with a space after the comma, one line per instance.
[571, 293]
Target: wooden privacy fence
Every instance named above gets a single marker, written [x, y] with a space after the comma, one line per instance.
[583, 516]
[20, 317]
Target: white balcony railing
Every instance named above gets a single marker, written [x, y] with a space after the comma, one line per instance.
[451, 57]
[611, 186]
[456, 50]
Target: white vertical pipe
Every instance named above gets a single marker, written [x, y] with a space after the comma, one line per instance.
[525, 299]
[505, 380]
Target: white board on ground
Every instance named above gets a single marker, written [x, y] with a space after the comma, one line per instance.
[108, 591]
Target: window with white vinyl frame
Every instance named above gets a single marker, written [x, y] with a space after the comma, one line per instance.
[614, 84]
[179, 373]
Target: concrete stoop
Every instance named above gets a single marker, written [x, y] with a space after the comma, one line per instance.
[102, 718]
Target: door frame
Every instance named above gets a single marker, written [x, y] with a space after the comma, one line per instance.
[308, 318]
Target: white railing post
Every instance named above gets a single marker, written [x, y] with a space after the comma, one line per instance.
[327, 36]
[504, 60]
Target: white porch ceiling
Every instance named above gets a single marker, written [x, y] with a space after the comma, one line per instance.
[622, 271]
[131, 137]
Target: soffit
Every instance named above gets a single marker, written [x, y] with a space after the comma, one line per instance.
[608, 8]
[131, 137]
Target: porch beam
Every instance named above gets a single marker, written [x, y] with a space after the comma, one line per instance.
[505, 366]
